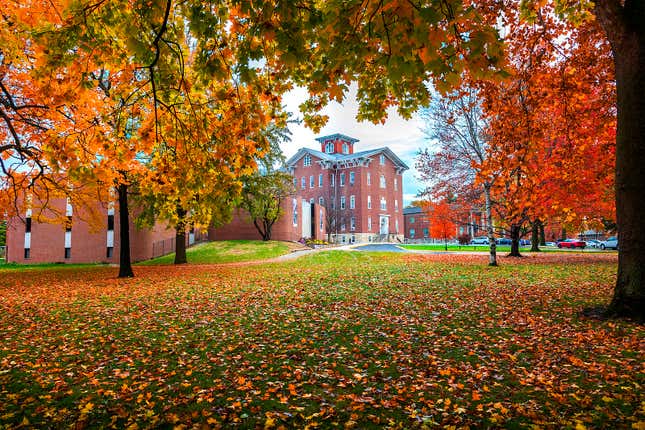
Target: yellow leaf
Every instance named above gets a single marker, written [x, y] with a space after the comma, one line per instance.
[639, 425]
[269, 423]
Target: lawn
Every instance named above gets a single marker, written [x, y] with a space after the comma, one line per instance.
[484, 248]
[334, 339]
[227, 251]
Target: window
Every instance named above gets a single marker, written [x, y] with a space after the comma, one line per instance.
[396, 205]
[321, 219]
[345, 148]
[28, 225]
[352, 223]
[425, 232]
[411, 233]
[311, 201]
[369, 178]
[369, 202]
[369, 223]
[332, 181]
[382, 182]
[411, 220]
[27, 253]
[342, 179]
[311, 181]
[352, 202]
[351, 178]
[342, 202]
[110, 252]
[307, 160]
[303, 183]
[382, 159]
[110, 222]
[342, 228]
[333, 203]
[68, 253]
[68, 224]
[329, 147]
[396, 226]
[295, 183]
[383, 204]
[295, 211]
[320, 180]
[321, 201]
[352, 239]
[396, 184]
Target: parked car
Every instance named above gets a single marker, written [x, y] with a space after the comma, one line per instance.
[611, 243]
[503, 241]
[482, 240]
[550, 243]
[525, 242]
[593, 243]
[571, 243]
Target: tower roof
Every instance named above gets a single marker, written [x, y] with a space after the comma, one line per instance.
[344, 137]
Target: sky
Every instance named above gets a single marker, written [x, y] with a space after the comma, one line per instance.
[403, 137]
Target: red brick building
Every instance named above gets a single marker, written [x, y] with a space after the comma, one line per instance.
[81, 240]
[361, 191]
[417, 224]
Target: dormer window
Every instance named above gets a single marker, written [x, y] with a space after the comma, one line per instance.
[329, 147]
[307, 160]
[382, 159]
[345, 148]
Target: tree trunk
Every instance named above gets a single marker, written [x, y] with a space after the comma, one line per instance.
[492, 255]
[180, 237]
[623, 24]
[535, 235]
[542, 236]
[515, 241]
[125, 262]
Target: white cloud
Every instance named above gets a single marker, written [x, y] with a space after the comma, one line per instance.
[403, 137]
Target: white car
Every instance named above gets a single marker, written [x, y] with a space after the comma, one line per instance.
[482, 240]
[611, 243]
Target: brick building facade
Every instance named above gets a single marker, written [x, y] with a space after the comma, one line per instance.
[362, 192]
[85, 237]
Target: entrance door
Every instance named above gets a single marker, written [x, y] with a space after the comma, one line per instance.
[384, 222]
[306, 219]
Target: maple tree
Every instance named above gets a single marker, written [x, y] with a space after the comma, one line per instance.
[442, 224]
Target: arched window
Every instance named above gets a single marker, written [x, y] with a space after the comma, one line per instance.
[307, 160]
[345, 148]
[329, 147]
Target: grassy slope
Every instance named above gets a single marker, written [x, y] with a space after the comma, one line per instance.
[226, 252]
[334, 339]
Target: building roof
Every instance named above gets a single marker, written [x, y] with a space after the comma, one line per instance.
[337, 136]
[412, 210]
[346, 158]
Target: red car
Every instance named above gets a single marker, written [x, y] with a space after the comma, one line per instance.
[572, 243]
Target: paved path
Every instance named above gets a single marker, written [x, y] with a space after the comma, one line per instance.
[379, 247]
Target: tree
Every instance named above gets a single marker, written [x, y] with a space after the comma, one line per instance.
[442, 225]
[456, 123]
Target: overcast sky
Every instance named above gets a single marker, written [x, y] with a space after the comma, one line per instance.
[403, 137]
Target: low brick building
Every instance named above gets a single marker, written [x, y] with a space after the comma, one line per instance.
[84, 238]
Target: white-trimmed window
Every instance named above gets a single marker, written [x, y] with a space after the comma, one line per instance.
[329, 147]
[295, 211]
[352, 223]
[382, 159]
[343, 228]
[311, 201]
[396, 184]
[411, 233]
[320, 180]
[295, 183]
[352, 202]
[396, 226]
[303, 183]
[307, 160]
[396, 205]
[369, 202]
[342, 179]
[311, 181]
[345, 148]
[369, 178]
[369, 223]
[321, 201]
[382, 181]
[332, 180]
[342, 202]
[351, 178]
[383, 204]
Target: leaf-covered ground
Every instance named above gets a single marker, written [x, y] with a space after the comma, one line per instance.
[335, 339]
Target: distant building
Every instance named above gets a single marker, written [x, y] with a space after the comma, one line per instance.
[361, 191]
[417, 224]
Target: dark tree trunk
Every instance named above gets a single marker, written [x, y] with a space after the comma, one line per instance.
[125, 262]
[563, 234]
[535, 236]
[515, 241]
[542, 236]
[623, 24]
[180, 238]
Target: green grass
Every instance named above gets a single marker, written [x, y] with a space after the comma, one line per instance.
[333, 339]
[227, 251]
[481, 248]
